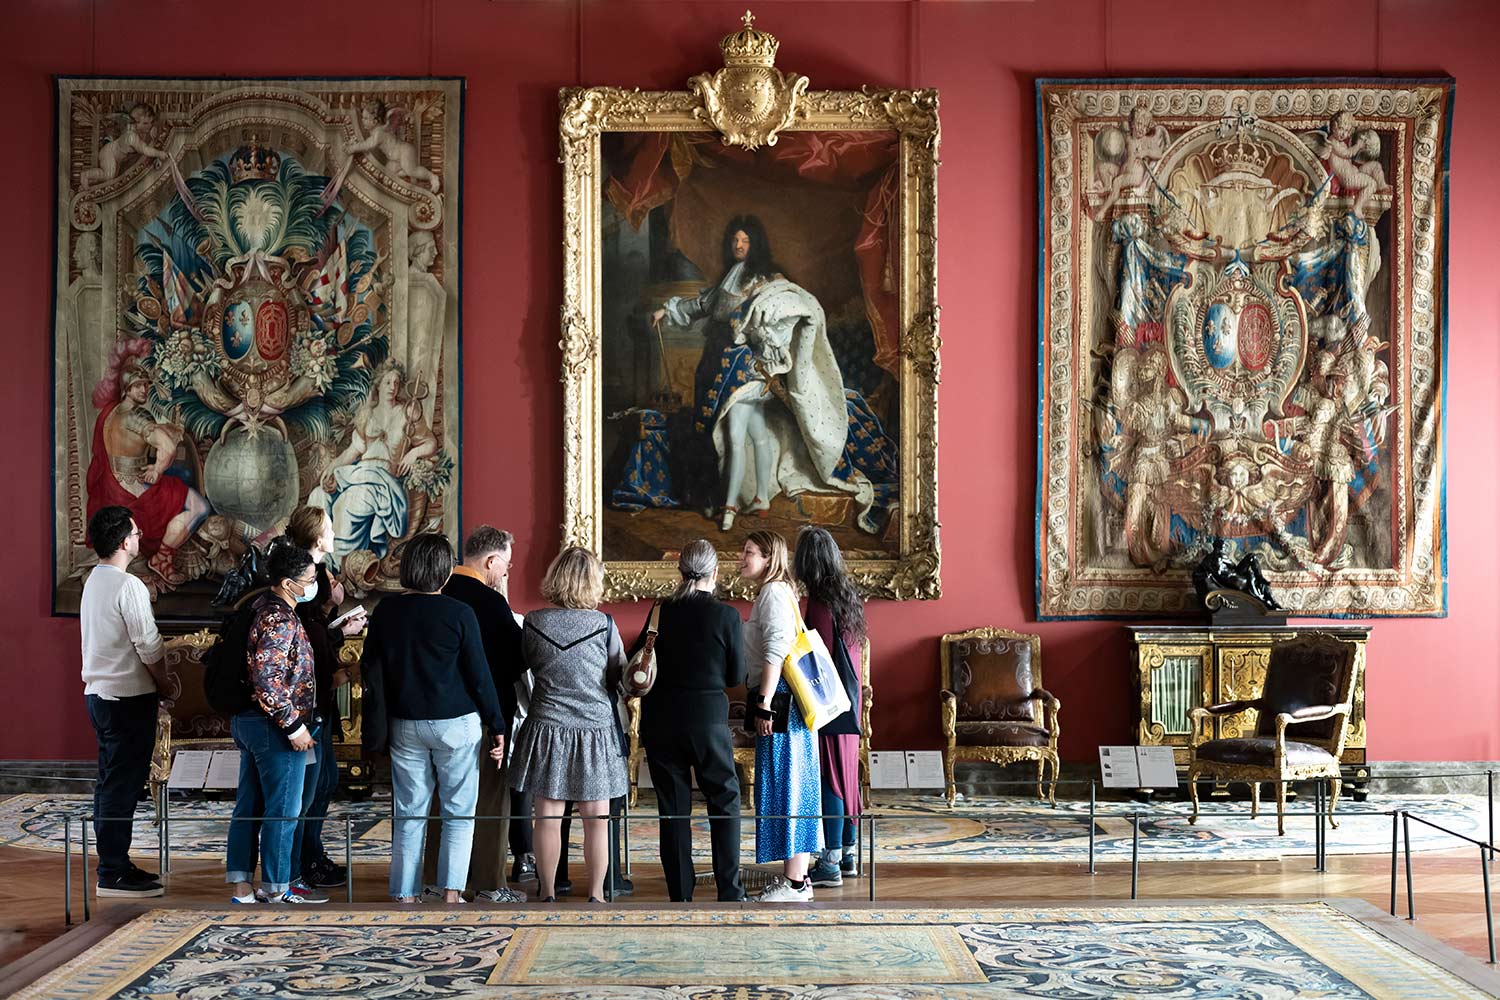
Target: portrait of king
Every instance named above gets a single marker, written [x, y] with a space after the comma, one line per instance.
[749, 337]
[284, 333]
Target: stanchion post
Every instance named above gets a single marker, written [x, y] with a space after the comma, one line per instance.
[67, 871]
[166, 830]
[161, 831]
[1395, 852]
[1411, 910]
[1093, 819]
[872, 857]
[1489, 912]
[86, 870]
[348, 859]
[625, 836]
[1319, 801]
[1135, 854]
[1489, 780]
[609, 859]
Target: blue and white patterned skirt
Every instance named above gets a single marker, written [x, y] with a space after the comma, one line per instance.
[787, 783]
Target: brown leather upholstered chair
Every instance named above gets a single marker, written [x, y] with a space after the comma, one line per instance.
[1302, 721]
[994, 706]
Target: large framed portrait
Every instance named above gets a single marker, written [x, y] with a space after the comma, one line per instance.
[256, 308]
[1243, 327]
[750, 323]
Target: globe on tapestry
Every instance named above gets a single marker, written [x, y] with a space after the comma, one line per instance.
[1242, 322]
[256, 309]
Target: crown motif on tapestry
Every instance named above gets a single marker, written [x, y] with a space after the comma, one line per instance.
[748, 47]
[1240, 156]
[254, 162]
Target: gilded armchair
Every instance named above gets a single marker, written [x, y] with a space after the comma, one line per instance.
[1302, 720]
[994, 706]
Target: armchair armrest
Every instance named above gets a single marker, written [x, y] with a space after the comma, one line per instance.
[1052, 709]
[866, 705]
[1309, 713]
[1198, 717]
[1228, 707]
[950, 715]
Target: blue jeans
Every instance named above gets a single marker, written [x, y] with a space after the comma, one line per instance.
[311, 829]
[273, 782]
[421, 749]
[838, 830]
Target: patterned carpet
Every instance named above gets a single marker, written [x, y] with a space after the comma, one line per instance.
[912, 827]
[1262, 951]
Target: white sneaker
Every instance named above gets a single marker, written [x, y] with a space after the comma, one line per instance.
[779, 890]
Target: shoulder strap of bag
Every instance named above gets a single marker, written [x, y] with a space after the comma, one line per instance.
[651, 623]
[796, 610]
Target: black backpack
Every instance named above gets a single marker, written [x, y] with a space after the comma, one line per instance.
[226, 670]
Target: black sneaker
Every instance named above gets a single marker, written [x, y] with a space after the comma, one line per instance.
[143, 875]
[324, 874]
[849, 865]
[524, 870]
[128, 886]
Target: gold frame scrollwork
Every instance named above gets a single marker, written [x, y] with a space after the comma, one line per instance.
[588, 112]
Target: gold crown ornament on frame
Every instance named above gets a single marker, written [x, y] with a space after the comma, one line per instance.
[749, 100]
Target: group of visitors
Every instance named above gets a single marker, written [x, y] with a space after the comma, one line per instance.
[482, 712]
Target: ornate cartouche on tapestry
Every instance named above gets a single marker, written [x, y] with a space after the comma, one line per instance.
[256, 308]
[1242, 339]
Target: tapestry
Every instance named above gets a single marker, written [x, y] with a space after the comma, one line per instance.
[1242, 324]
[574, 951]
[257, 307]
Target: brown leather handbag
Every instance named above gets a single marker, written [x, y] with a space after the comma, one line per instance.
[640, 673]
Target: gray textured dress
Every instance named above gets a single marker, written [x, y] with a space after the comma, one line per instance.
[571, 746]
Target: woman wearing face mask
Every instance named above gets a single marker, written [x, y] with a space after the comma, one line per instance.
[274, 736]
[311, 528]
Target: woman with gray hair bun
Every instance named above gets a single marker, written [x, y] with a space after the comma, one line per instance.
[685, 722]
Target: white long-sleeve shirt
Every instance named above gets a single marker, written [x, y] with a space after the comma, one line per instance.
[119, 634]
[770, 632]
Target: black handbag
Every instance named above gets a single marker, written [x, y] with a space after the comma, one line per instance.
[846, 724]
[781, 712]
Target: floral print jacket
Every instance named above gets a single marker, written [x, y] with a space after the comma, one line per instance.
[280, 661]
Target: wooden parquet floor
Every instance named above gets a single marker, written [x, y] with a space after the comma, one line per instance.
[1448, 886]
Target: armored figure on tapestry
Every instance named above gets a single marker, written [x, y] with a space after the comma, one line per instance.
[1247, 297]
[752, 381]
[257, 309]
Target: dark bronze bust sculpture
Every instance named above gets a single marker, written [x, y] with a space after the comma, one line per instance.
[1215, 574]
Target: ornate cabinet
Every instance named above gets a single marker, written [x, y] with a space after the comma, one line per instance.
[1180, 667]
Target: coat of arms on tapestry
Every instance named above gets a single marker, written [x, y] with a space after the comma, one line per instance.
[256, 308]
[1242, 324]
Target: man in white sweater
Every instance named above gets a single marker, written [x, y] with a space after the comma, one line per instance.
[122, 673]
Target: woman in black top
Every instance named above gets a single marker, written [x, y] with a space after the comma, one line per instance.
[311, 528]
[427, 689]
[685, 723]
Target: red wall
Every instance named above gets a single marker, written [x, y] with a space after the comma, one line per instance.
[1434, 686]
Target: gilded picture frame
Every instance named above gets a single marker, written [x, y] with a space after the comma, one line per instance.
[650, 181]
